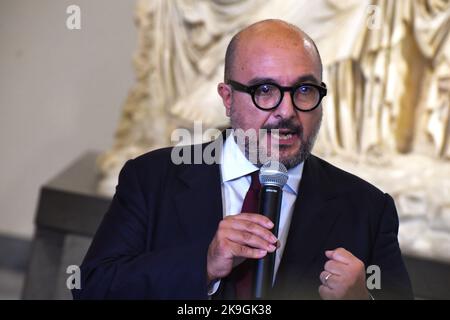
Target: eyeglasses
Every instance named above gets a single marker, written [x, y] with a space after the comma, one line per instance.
[267, 96]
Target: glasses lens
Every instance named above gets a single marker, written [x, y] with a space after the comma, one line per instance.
[267, 96]
[306, 97]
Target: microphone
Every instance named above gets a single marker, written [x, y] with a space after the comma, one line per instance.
[273, 176]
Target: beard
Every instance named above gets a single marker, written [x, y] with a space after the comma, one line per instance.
[253, 150]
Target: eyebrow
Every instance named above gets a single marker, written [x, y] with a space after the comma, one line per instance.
[299, 80]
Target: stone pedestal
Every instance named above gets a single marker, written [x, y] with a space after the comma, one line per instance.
[68, 214]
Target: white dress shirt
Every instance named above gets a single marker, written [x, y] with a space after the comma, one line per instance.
[235, 169]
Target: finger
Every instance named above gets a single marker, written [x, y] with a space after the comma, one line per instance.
[341, 255]
[326, 293]
[335, 267]
[250, 226]
[328, 279]
[249, 239]
[238, 250]
[329, 254]
[323, 275]
[263, 221]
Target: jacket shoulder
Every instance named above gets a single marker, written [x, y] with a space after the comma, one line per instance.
[346, 180]
[157, 157]
[149, 169]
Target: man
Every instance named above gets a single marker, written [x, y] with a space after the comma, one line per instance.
[191, 231]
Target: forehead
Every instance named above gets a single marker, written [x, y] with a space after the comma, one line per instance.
[284, 58]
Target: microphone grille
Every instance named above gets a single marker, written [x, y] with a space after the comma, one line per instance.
[273, 173]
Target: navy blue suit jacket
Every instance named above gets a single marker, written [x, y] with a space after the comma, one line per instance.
[153, 241]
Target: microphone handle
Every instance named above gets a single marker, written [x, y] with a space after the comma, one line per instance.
[269, 206]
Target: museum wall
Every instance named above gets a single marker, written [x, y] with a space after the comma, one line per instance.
[61, 93]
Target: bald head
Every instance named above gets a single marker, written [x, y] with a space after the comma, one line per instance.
[278, 31]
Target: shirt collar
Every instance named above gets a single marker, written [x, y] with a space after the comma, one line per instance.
[235, 165]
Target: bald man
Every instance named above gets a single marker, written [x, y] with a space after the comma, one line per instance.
[193, 231]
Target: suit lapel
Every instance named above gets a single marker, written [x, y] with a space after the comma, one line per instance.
[315, 212]
[198, 199]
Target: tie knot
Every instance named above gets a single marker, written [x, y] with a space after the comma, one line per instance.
[255, 185]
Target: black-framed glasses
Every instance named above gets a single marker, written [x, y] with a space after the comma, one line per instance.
[267, 96]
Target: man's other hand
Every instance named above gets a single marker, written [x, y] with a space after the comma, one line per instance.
[344, 276]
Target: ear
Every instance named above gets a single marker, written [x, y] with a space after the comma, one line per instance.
[225, 92]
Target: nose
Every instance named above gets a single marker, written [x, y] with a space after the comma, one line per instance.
[286, 109]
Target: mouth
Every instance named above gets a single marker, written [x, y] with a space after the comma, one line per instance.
[284, 136]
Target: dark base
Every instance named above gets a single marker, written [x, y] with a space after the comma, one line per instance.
[68, 214]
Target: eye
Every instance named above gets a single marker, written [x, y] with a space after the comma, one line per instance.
[265, 88]
[304, 89]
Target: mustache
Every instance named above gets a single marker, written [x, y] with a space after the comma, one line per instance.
[287, 124]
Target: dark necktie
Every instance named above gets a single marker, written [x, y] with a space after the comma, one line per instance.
[243, 274]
